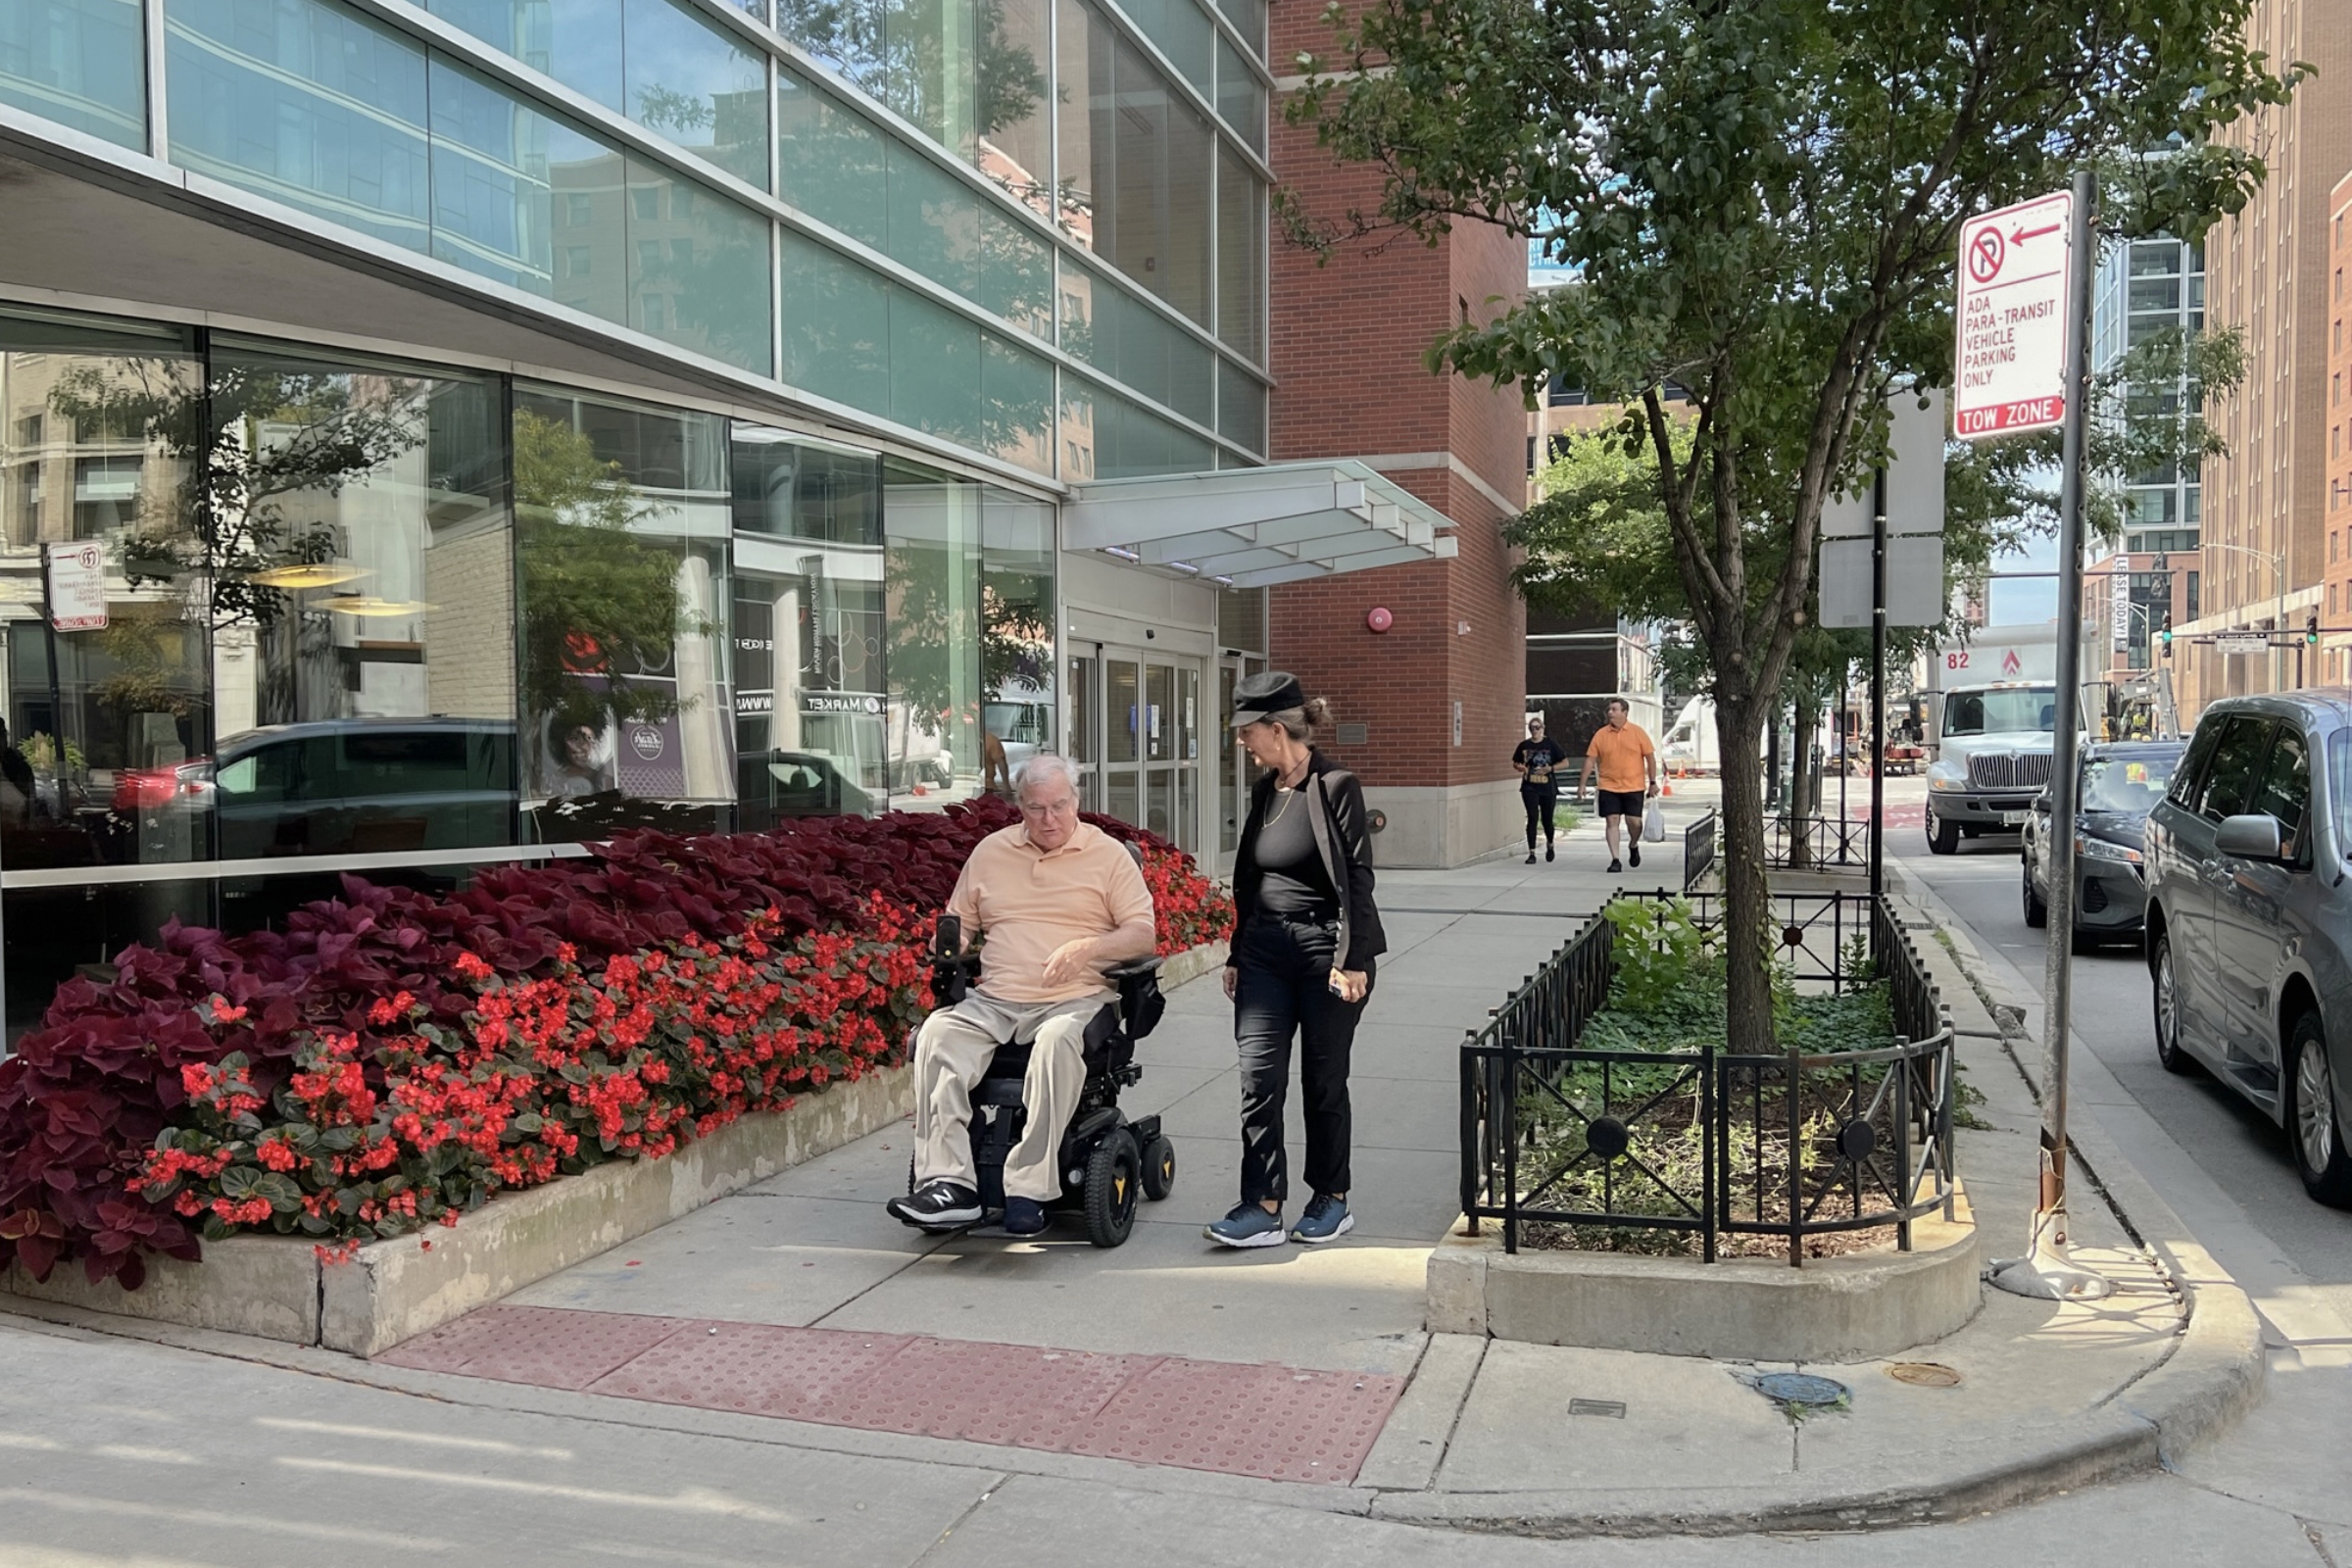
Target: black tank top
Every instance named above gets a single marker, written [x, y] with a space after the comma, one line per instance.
[1295, 882]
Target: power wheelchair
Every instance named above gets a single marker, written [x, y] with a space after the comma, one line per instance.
[1105, 1160]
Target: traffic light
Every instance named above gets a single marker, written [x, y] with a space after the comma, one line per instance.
[2164, 635]
[2311, 628]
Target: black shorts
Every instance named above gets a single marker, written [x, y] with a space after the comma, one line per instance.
[1621, 802]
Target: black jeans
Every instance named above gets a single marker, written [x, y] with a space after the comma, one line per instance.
[1541, 801]
[1284, 987]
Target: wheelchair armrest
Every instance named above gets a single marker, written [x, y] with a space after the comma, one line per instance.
[1140, 1000]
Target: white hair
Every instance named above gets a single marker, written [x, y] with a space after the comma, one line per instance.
[1043, 765]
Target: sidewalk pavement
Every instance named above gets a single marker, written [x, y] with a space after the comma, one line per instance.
[1479, 1434]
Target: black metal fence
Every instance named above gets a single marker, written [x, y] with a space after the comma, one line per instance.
[1709, 1142]
[1816, 843]
[1698, 850]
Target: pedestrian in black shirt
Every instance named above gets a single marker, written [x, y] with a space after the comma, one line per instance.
[1305, 935]
[1538, 760]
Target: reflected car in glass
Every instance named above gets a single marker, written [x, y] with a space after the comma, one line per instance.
[775, 786]
[352, 786]
[2249, 917]
[2119, 783]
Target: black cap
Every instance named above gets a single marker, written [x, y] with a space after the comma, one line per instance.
[1263, 695]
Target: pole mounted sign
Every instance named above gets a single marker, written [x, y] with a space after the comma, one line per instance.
[2014, 272]
[77, 584]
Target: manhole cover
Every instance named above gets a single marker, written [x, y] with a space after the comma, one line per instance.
[1802, 1387]
[1925, 1374]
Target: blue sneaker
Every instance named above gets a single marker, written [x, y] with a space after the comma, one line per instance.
[1326, 1219]
[1024, 1216]
[1248, 1225]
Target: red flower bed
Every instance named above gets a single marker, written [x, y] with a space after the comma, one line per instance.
[391, 1058]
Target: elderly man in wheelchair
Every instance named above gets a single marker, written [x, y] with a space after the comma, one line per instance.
[1017, 1074]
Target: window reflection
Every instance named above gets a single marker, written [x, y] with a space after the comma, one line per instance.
[1117, 333]
[809, 696]
[680, 76]
[1106, 436]
[107, 725]
[932, 529]
[81, 63]
[360, 608]
[307, 104]
[688, 80]
[1135, 164]
[621, 517]
[1016, 646]
[698, 268]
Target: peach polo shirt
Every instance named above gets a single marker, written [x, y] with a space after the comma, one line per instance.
[1031, 901]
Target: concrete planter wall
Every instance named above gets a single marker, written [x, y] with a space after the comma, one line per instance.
[1752, 1310]
[278, 1289]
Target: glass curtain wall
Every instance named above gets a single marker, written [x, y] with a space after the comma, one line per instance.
[101, 429]
[417, 611]
[1016, 635]
[808, 632]
[682, 77]
[81, 63]
[310, 104]
[622, 524]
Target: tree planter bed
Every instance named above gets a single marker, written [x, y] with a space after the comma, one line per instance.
[1756, 1309]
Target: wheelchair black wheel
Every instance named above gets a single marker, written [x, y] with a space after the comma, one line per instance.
[1113, 1183]
[1160, 1168]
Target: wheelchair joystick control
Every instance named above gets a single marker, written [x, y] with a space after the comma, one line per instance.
[953, 971]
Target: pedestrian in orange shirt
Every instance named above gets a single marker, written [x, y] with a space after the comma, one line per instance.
[1628, 764]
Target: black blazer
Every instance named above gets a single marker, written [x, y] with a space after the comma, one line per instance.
[1343, 835]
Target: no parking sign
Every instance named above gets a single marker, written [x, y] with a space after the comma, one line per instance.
[2012, 318]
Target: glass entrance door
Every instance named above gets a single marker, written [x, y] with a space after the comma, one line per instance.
[1135, 734]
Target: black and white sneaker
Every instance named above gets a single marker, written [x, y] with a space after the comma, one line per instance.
[1633, 856]
[1531, 857]
[938, 1205]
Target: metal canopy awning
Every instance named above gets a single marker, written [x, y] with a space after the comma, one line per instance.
[1253, 527]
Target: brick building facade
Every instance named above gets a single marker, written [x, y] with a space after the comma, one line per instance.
[1441, 694]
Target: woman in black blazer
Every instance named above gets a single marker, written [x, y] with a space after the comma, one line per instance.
[1304, 941]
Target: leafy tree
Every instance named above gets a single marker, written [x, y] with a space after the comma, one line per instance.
[597, 598]
[274, 434]
[1761, 204]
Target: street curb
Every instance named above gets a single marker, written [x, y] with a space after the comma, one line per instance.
[2217, 1371]
[2084, 1451]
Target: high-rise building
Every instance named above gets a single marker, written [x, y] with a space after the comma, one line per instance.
[2264, 523]
[2336, 612]
[454, 431]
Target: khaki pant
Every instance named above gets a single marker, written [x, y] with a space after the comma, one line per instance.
[953, 1050]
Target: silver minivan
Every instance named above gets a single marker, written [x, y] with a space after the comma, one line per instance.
[2249, 917]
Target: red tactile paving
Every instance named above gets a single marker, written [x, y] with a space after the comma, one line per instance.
[1277, 1422]
[757, 1368]
[1018, 1395]
[545, 1347]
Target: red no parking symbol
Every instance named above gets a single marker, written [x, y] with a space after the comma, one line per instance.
[1986, 252]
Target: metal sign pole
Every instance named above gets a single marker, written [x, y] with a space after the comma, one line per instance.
[1877, 680]
[2046, 1272]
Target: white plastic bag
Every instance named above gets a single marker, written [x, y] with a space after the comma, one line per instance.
[1653, 822]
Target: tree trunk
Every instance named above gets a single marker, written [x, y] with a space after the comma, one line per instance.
[1804, 792]
[1746, 892]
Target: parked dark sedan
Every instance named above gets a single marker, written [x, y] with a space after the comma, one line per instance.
[2121, 783]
